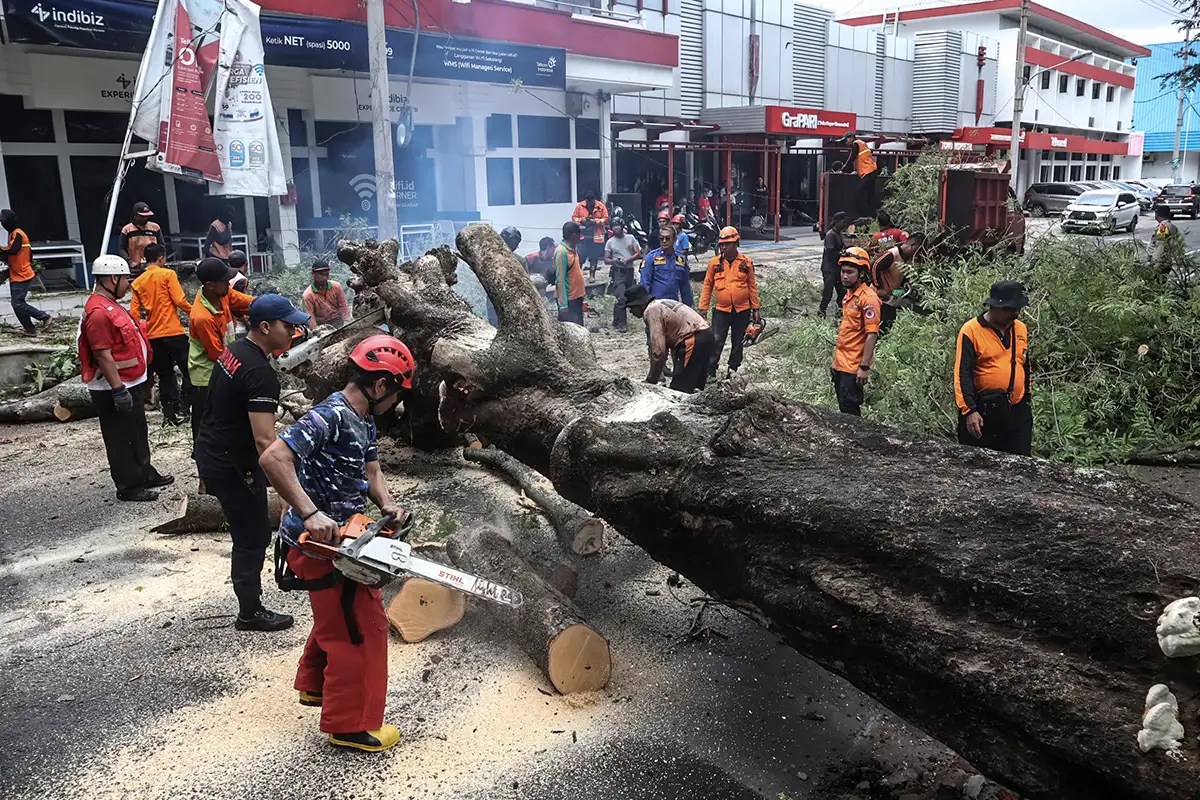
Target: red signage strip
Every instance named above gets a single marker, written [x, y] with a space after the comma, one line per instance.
[808, 121]
[1000, 137]
[510, 22]
[1042, 58]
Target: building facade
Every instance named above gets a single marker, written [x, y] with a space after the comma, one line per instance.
[1155, 113]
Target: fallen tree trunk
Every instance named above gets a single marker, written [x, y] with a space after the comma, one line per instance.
[547, 626]
[1004, 604]
[201, 513]
[580, 532]
[1180, 454]
[63, 402]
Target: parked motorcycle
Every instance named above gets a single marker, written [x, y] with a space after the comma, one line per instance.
[702, 233]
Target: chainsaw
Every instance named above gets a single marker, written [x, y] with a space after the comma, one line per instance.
[302, 352]
[374, 555]
[758, 330]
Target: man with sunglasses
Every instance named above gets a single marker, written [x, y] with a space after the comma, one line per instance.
[238, 425]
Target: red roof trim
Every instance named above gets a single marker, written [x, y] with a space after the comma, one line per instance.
[1042, 58]
[999, 5]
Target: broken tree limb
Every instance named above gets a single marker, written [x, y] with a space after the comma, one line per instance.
[573, 655]
[1006, 605]
[422, 608]
[63, 402]
[580, 531]
[1180, 454]
[201, 513]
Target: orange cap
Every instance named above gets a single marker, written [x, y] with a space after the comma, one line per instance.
[729, 234]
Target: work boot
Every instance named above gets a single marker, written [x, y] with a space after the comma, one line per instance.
[371, 741]
[263, 620]
[311, 699]
[160, 481]
[139, 495]
[46, 323]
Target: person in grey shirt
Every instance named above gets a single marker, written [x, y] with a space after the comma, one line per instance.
[620, 253]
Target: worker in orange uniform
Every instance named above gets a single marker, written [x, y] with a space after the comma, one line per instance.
[324, 299]
[569, 289]
[325, 467]
[211, 328]
[157, 292]
[855, 351]
[592, 217]
[19, 257]
[888, 277]
[991, 375]
[730, 285]
[862, 162]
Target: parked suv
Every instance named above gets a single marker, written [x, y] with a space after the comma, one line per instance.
[1102, 211]
[1050, 198]
[1181, 199]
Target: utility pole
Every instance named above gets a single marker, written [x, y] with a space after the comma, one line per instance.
[1187, 47]
[381, 122]
[1014, 149]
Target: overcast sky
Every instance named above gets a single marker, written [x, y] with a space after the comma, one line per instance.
[1140, 21]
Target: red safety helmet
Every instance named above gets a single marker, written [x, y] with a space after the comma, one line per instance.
[677, 218]
[383, 353]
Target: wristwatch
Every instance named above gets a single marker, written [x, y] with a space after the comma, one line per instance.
[865, 367]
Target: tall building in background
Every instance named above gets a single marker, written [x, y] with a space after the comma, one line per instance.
[1155, 111]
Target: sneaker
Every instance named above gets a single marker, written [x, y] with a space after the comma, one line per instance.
[141, 495]
[370, 741]
[160, 481]
[263, 620]
[311, 699]
[46, 323]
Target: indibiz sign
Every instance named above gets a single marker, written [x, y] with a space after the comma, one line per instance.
[808, 121]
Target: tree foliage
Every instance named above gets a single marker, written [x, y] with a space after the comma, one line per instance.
[1188, 23]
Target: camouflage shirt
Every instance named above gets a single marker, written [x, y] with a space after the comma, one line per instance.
[332, 445]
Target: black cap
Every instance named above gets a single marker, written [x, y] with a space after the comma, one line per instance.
[214, 270]
[847, 135]
[320, 265]
[637, 295]
[1007, 294]
[142, 210]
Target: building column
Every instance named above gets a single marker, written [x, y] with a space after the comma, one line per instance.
[284, 220]
[606, 144]
[4, 201]
[65, 174]
[172, 203]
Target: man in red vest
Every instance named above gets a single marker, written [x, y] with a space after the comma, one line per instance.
[115, 356]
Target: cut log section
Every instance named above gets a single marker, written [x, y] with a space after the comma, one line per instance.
[201, 513]
[548, 627]
[580, 531]
[64, 402]
[423, 608]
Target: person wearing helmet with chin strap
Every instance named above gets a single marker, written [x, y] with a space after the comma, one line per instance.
[730, 285]
[855, 350]
[326, 466]
[114, 353]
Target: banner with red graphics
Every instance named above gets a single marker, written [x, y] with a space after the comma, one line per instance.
[808, 121]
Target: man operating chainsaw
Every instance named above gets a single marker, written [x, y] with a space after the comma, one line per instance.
[326, 466]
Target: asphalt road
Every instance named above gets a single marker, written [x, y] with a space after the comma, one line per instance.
[1145, 229]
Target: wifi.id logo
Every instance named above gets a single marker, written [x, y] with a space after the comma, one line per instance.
[365, 187]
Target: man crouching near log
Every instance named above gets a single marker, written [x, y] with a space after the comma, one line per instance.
[326, 466]
[676, 330]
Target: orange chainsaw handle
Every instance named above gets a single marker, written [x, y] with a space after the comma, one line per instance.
[354, 527]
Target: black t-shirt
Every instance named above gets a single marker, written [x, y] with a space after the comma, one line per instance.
[243, 382]
[834, 244]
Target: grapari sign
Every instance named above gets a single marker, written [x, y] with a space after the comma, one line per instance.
[780, 119]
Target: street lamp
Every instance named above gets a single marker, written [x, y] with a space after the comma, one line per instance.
[1019, 105]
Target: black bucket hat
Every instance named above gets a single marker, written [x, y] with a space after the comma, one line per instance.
[637, 295]
[1007, 294]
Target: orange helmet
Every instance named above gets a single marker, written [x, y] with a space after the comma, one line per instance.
[729, 234]
[677, 218]
[856, 256]
[382, 353]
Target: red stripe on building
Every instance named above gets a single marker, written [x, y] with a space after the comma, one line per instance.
[1042, 58]
[998, 5]
[1000, 138]
[500, 20]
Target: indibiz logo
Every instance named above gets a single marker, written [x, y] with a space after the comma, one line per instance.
[74, 17]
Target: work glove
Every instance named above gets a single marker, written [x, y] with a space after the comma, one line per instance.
[122, 399]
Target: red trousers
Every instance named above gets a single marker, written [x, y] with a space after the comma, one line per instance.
[351, 678]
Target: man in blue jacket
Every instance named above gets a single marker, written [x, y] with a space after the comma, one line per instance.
[665, 273]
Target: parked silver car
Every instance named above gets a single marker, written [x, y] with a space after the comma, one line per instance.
[1050, 198]
[1102, 211]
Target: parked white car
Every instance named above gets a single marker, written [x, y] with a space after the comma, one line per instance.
[1102, 211]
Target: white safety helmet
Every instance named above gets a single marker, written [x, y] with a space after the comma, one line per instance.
[110, 265]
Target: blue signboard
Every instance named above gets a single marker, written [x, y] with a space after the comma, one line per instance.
[123, 26]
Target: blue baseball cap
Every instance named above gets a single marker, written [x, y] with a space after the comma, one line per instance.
[270, 307]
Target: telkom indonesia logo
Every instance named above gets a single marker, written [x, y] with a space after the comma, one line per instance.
[365, 187]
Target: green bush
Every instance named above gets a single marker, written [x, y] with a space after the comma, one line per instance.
[1114, 350]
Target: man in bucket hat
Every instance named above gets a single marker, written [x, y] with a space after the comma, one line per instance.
[991, 375]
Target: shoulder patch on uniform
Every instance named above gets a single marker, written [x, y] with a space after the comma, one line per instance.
[869, 311]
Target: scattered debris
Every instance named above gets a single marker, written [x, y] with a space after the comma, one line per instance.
[1178, 632]
[1161, 728]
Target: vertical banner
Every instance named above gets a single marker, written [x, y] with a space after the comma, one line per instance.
[246, 136]
[185, 139]
[154, 73]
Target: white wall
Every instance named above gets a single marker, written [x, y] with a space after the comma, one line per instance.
[1160, 167]
[727, 32]
[662, 102]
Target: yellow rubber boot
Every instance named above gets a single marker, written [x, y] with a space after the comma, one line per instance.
[371, 741]
[312, 699]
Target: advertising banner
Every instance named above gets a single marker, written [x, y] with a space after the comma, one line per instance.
[247, 138]
[185, 139]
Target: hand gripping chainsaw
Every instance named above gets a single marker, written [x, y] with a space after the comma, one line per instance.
[374, 555]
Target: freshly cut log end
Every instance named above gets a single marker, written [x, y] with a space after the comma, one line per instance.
[201, 513]
[588, 538]
[422, 608]
[63, 403]
[579, 660]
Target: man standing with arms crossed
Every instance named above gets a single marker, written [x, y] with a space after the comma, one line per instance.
[326, 466]
[158, 292]
[855, 351]
[238, 425]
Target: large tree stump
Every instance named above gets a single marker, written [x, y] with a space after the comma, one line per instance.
[201, 513]
[1004, 604]
[580, 532]
[63, 403]
[547, 626]
[422, 608]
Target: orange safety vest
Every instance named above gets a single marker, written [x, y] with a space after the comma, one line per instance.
[864, 161]
[132, 352]
[20, 266]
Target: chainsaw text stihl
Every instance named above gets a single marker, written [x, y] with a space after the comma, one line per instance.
[371, 554]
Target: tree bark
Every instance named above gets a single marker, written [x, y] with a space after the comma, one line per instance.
[201, 513]
[1006, 605]
[62, 402]
[579, 532]
[547, 626]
